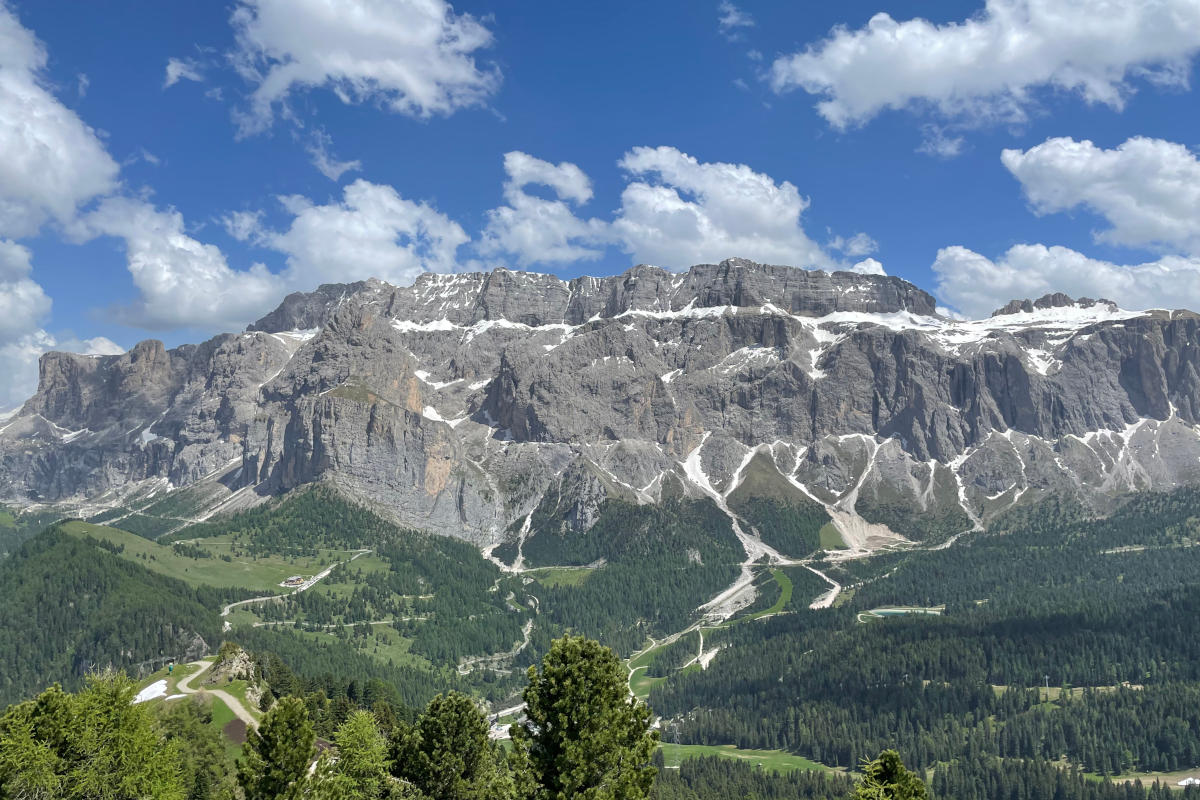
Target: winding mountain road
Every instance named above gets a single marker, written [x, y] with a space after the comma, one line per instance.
[311, 582]
[184, 686]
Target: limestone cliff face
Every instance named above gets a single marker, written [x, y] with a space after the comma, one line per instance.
[456, 404]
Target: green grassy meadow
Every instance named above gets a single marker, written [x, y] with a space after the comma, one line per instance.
[256, 574]
[773, 760]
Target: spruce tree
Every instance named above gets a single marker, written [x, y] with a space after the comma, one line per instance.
[276, 757]
[94, 745]
[886, 778]
[362, 757]
[447, 755]
[584, 737]
[188, 725]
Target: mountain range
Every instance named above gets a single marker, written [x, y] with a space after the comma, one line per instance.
[500, 406]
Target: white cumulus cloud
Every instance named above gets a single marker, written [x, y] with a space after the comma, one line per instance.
[675, 211]
[985, 67]
[533, 229]
[1148, 190]
[372, 232]
[678, 211]
[416, 57]
[52, 162]
[868, 266]
[23, 304]
[977, 285]
[244, 226]
[860, 244]
[182, 282]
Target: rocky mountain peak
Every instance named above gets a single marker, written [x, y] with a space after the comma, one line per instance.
[455, 403]
[536, 299]
[308, 310]
[1055, 300]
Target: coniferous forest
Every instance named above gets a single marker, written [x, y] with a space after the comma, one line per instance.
[1057, 654]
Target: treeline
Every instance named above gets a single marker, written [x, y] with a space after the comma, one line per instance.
[716, 778]
[790, 528]
[17, 526]
[300, 664]
[1105, 732]
[984, 778]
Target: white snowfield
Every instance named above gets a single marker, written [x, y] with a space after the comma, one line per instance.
[951, 333]
[151, 692]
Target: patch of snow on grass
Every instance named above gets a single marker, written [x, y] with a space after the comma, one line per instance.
[154, 690]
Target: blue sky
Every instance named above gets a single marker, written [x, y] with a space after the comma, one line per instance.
[177, 167]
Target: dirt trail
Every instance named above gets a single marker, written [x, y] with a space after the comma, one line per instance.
[184, 687]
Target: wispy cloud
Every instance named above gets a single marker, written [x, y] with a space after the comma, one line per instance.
[732, 20]
[182, 69]
[325, 162]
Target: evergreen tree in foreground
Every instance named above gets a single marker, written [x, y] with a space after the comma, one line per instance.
[447, 755]
[187, 724]
[277, 755]
[886, 778]
[93, 745]
[363, 755]
[584, 737]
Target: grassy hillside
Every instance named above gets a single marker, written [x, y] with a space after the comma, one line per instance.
[219, 562]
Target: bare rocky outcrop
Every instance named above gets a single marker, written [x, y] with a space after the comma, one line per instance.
[234, 663]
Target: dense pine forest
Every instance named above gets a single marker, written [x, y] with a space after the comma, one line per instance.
[1064, 640]
[1057, 653]
[71, 606]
